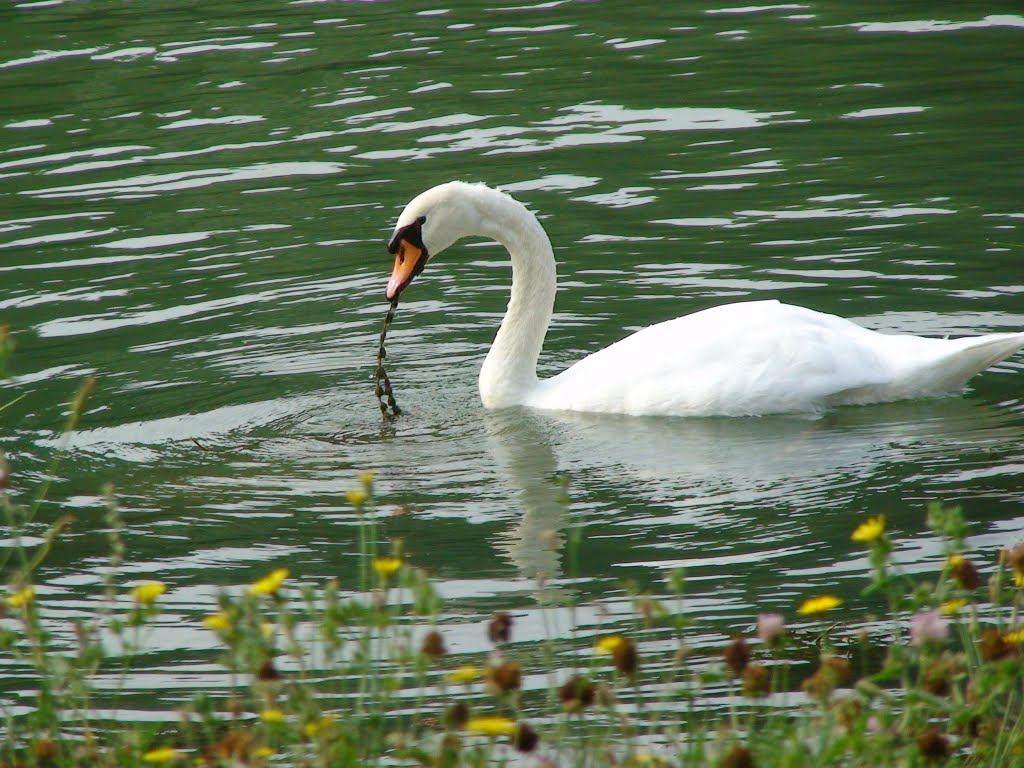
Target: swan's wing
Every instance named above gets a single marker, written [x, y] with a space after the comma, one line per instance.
[746, 358]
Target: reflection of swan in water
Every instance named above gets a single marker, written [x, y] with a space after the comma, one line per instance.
[727, 473]
[755, 357]
[521, 446]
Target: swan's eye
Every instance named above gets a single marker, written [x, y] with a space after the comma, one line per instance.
[413, 233]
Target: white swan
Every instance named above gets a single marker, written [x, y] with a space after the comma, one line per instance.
[748, 358]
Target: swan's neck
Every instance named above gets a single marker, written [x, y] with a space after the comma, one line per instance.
[509, 372]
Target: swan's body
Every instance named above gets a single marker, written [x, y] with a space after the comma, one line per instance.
[747, 358]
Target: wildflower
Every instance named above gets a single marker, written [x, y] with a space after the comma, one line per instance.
[464, 674]
[315, 727]
[366, 480]
[262, 752]
[433, 645]
[928, 627]
[933, 744]
[870, 530]
[270, 583]
[607, 645]
[21, 598]
[816, 605]
[499, 630]
[272, 715]
[622, 650]
[1017, 636]
[218, 622]
[1014, 557]
[492, 726]
[770, 627]
[386, 566]
[950, 607]
[161, 755]
[146, 594]
[577, 694]
[504, 678]
[736, 655]
[357, 497]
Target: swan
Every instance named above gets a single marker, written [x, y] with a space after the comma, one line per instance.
[745, 358]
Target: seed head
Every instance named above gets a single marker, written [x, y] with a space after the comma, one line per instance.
[737, 655]
[577, 694]
[965, 572]
[433, 645]
[525, 738]
[499, 630]
[737, 757]
[268, 672]
[756, 681]
[504, 678]
[933, 744]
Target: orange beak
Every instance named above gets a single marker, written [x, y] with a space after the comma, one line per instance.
[408, 263]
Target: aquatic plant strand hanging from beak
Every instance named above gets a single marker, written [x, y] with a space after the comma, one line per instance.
[385, 395]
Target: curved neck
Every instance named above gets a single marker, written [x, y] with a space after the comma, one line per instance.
[509, 372]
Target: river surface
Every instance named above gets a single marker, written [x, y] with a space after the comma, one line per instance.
[194, 205]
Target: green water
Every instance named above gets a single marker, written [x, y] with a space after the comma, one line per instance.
[195, 204]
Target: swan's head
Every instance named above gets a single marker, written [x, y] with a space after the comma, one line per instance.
[431, 222]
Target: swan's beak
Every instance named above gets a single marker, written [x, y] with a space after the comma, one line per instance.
[409, 262]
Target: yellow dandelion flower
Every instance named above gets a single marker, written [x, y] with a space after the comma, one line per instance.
[311, 729]
[146, 594]
[22, 597]
[607, 645]
[955, 560]
[952, 606]
[366, 480]
[1018, 578]
[162, 755]
[870, 530]
[218, 622]
[464, 674]
[386, 566]
[272, 715]
[816, 605]
[1017, 636]
[492, 726]
[357, 497]
[270, 583]
[264, 751]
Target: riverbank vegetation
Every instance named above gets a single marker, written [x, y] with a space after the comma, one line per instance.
[918, 670]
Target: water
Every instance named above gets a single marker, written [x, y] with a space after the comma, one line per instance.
[195, 206]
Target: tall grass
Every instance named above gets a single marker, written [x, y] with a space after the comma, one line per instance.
[323, 677]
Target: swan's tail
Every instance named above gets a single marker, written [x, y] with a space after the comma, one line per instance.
[956, 362]
[932, 367]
